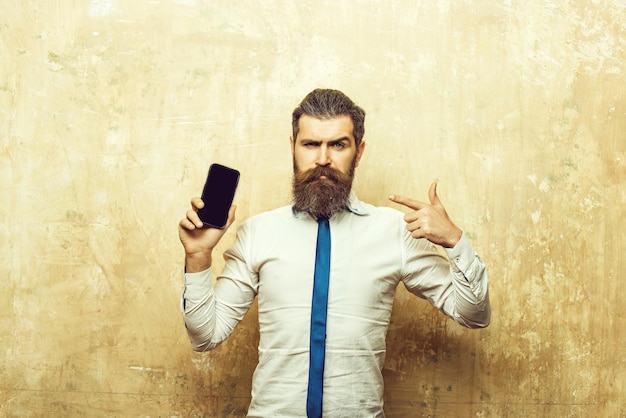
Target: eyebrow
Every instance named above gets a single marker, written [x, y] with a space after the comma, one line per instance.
[342, 139]
[333, 141]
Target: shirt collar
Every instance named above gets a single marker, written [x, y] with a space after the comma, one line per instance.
[354, 205]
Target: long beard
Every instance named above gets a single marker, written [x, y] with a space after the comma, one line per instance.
[322, 198]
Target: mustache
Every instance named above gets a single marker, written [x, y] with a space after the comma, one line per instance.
[315, 173]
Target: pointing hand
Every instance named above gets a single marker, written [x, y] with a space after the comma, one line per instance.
[430, 221]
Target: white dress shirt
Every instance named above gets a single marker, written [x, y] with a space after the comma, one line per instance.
[273, 258]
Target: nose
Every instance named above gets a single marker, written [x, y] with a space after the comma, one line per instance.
[323, 156]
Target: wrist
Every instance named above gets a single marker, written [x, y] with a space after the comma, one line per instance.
[455, 238]
[197, 262]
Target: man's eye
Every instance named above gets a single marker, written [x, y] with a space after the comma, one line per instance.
[339, 145]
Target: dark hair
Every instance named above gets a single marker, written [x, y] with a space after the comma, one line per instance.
[328, 104]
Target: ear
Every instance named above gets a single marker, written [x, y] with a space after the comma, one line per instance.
[359, 153]
[293, 145]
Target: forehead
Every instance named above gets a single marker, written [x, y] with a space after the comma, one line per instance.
[325, 129]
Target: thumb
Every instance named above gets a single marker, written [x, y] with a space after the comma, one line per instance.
[231, 216]
[432, 195]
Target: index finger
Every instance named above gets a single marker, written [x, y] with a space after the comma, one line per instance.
[408, 202]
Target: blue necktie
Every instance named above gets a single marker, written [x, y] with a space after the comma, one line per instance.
[319, 306]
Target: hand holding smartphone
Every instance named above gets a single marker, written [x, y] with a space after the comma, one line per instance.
[217, 195]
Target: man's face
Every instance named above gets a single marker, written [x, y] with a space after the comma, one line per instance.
[324, 158]
[326, 142]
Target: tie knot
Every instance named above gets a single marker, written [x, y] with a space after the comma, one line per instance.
[322, 220]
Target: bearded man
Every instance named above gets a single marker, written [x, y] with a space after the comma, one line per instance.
[325, 270]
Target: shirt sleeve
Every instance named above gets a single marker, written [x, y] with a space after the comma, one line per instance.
[456, 284]
[211, 313]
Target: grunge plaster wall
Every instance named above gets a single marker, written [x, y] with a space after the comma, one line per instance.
[112, 110]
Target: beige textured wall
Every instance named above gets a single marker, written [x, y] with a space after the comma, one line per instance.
[112, 110]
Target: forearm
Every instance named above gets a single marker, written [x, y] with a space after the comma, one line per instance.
[470, 284]
[198, 308]
[211, 313]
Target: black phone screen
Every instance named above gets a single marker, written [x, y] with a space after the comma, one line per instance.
[217, 195]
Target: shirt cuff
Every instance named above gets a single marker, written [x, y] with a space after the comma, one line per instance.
[197, 284]
[462, 255]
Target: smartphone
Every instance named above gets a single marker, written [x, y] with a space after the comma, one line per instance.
[217, 195]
